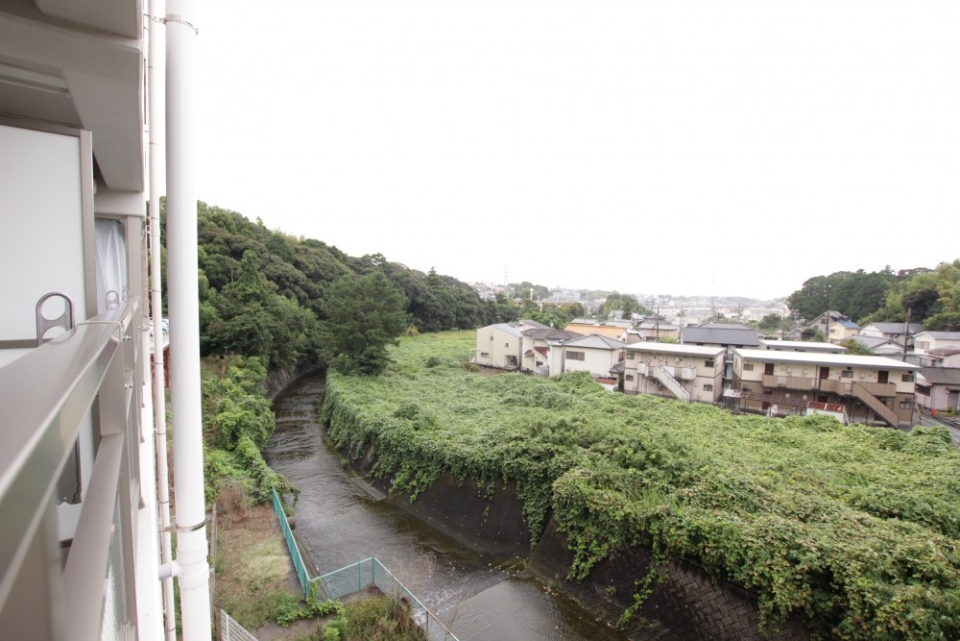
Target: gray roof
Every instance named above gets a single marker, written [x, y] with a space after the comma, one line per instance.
[941, 375]
[944, 351]
[955, 336]
[717, 334]
[895, 328]
[549, 333]
[533, 323]
[871, 342]
[595, 341]
[509, 328]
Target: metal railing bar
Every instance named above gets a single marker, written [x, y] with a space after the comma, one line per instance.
[87, 562]
[44, 396]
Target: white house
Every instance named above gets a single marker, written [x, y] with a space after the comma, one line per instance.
[687, 372]
[594, 353]
[939, 388]
[499, 346]
[927, 341]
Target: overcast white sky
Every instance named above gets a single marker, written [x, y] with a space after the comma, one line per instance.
[720, 147]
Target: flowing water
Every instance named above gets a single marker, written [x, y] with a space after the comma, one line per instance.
[341, 523]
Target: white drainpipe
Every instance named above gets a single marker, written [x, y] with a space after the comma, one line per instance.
[182, 296]
[155, 79]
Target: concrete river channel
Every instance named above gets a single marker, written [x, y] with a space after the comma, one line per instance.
[341, 522]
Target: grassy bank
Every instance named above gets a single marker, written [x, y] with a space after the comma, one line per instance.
[854, 529]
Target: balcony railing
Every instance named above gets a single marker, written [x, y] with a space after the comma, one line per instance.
[842, 387]
[789, 382]
[46, 397]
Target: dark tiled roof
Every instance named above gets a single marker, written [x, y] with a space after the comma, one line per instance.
[720, 336]
[941, 375]
[895, 328]
[944, 351]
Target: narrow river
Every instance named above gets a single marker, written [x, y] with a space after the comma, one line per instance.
[340, 524]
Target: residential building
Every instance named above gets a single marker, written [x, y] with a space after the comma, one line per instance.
[944, 357]
[687, 372]
[871, 388]
[927, 341]
[500, 346]
[822, 322]
[82, 529]
[879, 345]
[593, 353]
[841, 330]
[813, 347]
[586, 326]
[541, 349]
[895, 332]
[727, 335]
[938, 388]
[658, 330]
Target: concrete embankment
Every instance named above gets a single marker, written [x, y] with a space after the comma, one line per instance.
[687, 605]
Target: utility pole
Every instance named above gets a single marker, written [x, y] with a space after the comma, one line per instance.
[906, 333]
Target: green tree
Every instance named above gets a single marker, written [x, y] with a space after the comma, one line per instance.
[362, 317]
[856, 348]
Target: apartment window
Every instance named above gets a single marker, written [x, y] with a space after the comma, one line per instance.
[905, 405]
[748, 367]
[847, 373]
[708, 362]
[707, 387]
[484, 353]
[491, 338]
[628, 377]
[629, 356]
[575, 356]
[907, 378]
[506, 344]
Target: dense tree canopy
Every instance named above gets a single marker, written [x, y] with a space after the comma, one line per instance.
[262, 292]
[931, 297]
[854, 294]
[363, 316]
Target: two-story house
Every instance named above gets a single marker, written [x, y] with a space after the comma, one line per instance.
[730, 336]
[927, 341]
[938, 388]
[594, 353]
[871, 388]
[895, 332]
[687, 372]
[541, 349]
[499, 346]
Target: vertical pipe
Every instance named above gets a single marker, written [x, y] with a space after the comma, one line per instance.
[155, 113]
[182, 296]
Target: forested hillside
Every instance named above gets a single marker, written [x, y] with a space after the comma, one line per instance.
[930, 296]
[263, 292]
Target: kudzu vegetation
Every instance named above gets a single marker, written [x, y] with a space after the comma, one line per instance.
[855, 530]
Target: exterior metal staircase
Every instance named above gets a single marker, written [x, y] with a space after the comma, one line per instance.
[666, 378]
[876, 405]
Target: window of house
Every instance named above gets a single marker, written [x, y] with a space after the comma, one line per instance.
[707, 387]
[628, 377]
[708, 362]
[484, 353]
[907, 378]
[629, 356]
[748, 367]
[506, 344]
[575, 356]
[905, 405]
[847, 373]
[491, 338]
[923, 345]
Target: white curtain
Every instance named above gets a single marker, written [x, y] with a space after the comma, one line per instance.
[111, 264]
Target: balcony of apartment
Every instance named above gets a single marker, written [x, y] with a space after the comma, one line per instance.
[854, 388]
[49, 395]
[773, 381]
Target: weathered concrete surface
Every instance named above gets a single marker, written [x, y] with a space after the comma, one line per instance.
[688, 606]
[279, 379]
[487, 524]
